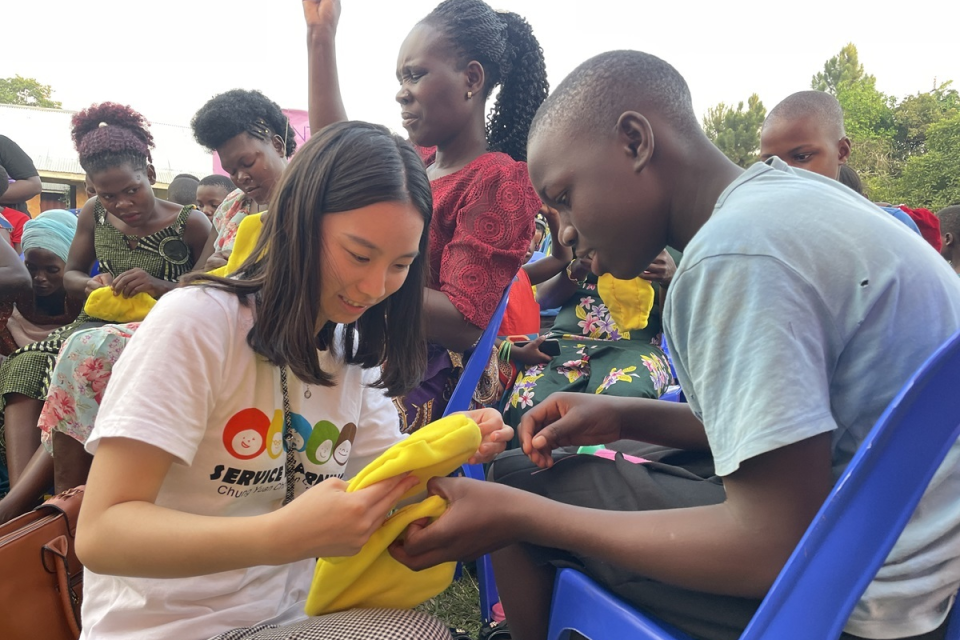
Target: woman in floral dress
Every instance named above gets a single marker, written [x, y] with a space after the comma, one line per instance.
[596, 356]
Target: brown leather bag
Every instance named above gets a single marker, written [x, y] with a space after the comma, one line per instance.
[41, 579]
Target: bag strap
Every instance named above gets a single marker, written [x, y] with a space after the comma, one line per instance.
[58, 548]
[288, 436]
[67, 503]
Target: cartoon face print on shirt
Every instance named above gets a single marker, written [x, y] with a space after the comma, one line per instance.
[320, 446]
[302, 431]
[245, 435]
[341, 451]
[275, 435]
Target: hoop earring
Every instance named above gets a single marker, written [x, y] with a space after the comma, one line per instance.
[469, 95]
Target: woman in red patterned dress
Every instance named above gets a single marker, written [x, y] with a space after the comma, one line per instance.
[484, 205]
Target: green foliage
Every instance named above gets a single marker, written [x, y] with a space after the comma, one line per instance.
[26, 91]
[842, 69]
[932, 179]
[736, 132]
[916, 113]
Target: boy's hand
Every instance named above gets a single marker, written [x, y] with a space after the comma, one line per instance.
[495, 434]
[567, 419]
[322, 13]
[476, 522]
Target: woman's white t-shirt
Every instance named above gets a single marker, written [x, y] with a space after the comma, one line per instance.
[188, 383]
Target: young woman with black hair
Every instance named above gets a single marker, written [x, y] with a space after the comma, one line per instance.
[202, 517]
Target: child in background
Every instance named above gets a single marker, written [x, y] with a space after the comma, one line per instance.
[212, 191]
[806, 131]
[183, 189]
[950, 235]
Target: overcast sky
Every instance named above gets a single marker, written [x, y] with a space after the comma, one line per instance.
[167, 58]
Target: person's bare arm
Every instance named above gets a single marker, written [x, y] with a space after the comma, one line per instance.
[324, 99]
[14, 277]
[76, 279]
[22, 190]
[446, 326]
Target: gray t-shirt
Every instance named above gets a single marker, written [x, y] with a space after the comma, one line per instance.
[801, 308]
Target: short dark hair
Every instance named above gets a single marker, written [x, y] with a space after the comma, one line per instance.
[850, 178]
[240, 111]
[824, 107]
[183, 189]
[215, 179]
[512, 59]
[345, 166]
[109, 134]
[600, 90]
[950, 220]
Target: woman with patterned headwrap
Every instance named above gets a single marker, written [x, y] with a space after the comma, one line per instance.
[30, 313]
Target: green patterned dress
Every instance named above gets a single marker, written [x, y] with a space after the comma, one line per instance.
[595, 357]
[163, 254]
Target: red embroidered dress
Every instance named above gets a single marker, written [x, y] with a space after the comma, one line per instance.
[482, 225]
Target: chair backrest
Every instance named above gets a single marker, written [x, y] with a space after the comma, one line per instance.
[868, 508]
[467, 385]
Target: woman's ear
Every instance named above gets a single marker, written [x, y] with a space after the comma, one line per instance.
[279, 145]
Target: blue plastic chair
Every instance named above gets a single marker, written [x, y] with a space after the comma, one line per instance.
[848, 541]
[460, 401]
[673, 393]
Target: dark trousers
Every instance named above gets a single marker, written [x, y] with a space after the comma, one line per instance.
[674, 480]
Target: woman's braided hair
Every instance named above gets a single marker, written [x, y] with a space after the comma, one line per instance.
[512, 59]
[110, 134]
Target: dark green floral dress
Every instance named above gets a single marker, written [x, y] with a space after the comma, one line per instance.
[595, 357]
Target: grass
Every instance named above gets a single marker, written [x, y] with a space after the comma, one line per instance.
[459, 605]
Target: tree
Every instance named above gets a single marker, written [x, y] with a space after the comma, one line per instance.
[736, 132]
[915, 114]
[932, 179]
[843, 68]
[26, 91]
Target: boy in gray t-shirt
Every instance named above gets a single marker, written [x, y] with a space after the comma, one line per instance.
[798, 312]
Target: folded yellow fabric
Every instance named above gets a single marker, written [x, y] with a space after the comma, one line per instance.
[629, 301]
[103, 304]
[372, 578]
[248, 234]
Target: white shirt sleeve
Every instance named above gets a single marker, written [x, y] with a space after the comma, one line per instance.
[379, 427]
[754, 346]
[165, 384]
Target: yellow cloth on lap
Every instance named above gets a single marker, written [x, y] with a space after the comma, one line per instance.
[248, 234]
[103, 304]
[372, 578]
[629, 301]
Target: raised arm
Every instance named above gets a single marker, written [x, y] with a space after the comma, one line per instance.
[325, 101]
[14, 277]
